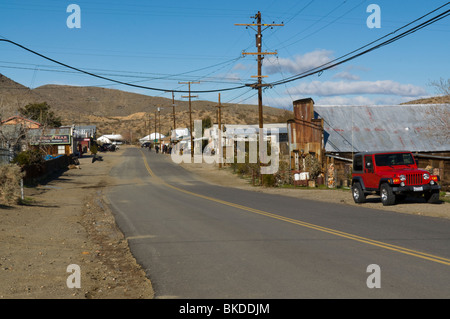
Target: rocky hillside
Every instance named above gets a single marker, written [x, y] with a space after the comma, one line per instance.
[431, 100]
[132, 114]
[14, 95]
[129, 114]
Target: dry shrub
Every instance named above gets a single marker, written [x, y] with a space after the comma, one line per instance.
[312, 166]
[10, 176]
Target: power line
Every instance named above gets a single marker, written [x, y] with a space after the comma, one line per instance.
[304, 74]
[113, 80]
[330, 64]
[295, 15]
[323, 27]
[221, 80]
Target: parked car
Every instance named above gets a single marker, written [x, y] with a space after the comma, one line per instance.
[393, 176]
[107, 147]
[146, 144]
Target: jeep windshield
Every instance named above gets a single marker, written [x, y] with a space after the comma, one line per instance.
[394, 159]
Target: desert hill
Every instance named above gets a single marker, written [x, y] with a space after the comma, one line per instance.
[133, 114]
[126, 113]
[432, 100]
[14, 95]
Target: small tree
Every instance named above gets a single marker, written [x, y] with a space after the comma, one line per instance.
[312, 166]
[206, 123]
[440, 117]
[31, 157]
[442, 86]
[11, 136]
[41, 113]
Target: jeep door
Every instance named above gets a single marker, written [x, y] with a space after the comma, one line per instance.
[369, 176]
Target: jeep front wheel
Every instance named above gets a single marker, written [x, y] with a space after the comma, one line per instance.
[387, 195]
[358, 194]
[432, 196]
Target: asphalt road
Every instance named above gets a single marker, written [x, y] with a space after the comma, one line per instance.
[197, 240]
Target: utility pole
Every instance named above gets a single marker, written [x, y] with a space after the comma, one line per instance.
[159, 119]
[259, 85]
[173, 111]
[219, 122]
[155, 132]
[190, 113]
[149, 127]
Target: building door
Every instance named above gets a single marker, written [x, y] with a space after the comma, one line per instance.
[369, 176]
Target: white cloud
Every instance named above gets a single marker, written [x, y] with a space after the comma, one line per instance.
[361, 100]
[298, 64]
[226, 77]
[346, 76]
[386, 87]
[279, 102]
[241, 66]
[344, 100]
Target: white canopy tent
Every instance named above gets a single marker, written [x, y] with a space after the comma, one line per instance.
[111, 138]
[151, 137]
[179, 133]
[103, 140]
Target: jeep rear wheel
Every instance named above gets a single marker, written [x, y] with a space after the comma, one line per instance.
[358, 194]
[387, 195]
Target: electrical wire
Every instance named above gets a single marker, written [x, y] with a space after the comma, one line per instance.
[323, 27]
[330, 64]
[323, 17]
[113, 80]
[310, 72]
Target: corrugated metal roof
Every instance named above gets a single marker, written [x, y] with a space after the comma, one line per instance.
[380, 128]
[63, 130]
[250, 129]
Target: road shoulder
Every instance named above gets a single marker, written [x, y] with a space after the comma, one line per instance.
[225, 177]
[67, 222]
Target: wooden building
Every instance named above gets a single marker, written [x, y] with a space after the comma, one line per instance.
[55, 141]
[333, 133]
[305, 134]
[24, 122]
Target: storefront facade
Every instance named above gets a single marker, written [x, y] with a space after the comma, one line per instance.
[83, 137]
[56, 141]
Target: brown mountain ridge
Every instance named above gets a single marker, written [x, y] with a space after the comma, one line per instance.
[133, 114]
[126, 113]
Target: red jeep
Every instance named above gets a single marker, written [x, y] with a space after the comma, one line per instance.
[393, 176]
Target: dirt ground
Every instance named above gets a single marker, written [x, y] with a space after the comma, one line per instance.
[66, 221]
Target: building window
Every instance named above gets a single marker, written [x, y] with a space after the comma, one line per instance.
[61, 150]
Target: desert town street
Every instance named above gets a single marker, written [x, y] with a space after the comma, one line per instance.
[199, 240]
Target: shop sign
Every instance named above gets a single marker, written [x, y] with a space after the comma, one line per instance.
[54, 139]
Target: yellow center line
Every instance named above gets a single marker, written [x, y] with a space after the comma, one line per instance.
[369, 241]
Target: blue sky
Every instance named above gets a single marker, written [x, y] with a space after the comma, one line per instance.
[159, 44]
